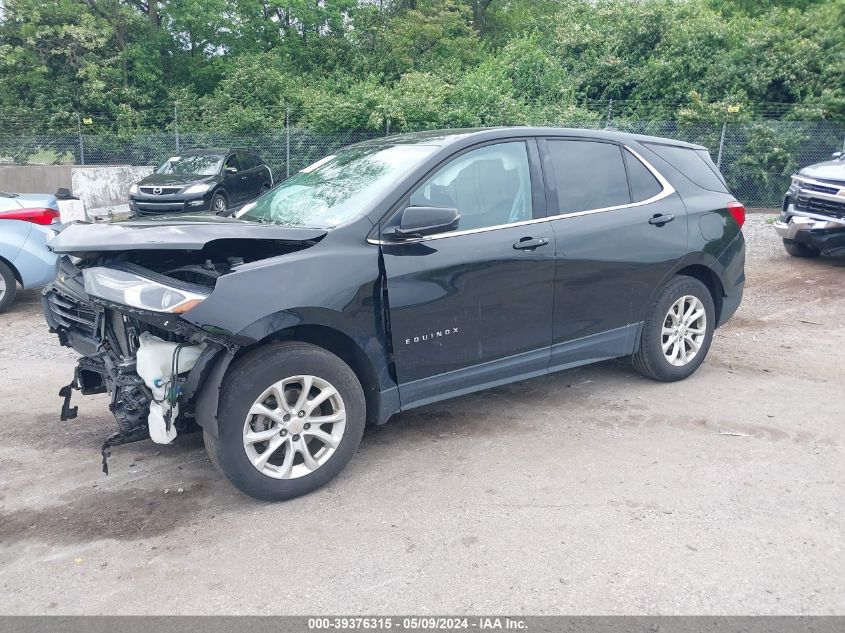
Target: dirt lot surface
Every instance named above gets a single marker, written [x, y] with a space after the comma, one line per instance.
[591, 491]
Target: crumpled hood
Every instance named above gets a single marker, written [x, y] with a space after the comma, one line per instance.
[181, 232]
[829, 170]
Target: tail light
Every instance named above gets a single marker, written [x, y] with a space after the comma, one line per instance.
[36, 216]
[737, 211]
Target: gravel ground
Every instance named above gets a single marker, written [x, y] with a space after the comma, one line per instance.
[592, 491]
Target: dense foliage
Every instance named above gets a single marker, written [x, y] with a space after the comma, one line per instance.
[410, 64]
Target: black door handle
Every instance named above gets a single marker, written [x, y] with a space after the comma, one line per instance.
[528, 243]
[660, 220]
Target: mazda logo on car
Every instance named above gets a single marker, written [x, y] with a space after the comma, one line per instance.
[157, 191]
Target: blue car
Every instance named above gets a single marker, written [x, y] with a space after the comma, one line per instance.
[25, 229]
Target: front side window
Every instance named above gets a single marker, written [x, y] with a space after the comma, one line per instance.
[335, 189]
[232, 161]
[588, 174]
[199, 164]
[489, 186]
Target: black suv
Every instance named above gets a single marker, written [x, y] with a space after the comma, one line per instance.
[215, 180]
[392, 274]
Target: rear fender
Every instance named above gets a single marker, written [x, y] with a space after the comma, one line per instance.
[728, 268]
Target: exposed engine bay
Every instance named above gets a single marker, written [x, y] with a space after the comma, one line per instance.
[121, 312]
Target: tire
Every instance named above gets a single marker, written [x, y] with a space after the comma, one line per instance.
[253, 377]
[649, 360]
[264, 189]
[797, 249]
[219, 204]
[8, 287]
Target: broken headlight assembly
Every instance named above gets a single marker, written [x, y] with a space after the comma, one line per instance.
[129, 285]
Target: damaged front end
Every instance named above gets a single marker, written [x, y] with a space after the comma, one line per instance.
[150, 363]
[121, 310]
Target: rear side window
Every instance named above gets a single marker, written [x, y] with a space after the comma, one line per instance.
[643, 183]
[247, 160]
[588, 175]
[691, 164]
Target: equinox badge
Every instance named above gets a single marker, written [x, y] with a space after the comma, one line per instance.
[431, 335]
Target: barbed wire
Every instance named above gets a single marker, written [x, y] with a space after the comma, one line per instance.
[757, 156]
[203, 116]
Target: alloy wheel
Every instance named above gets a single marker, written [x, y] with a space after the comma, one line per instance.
[2, 287]
[294, 427]
[219, 205]
[684, 329]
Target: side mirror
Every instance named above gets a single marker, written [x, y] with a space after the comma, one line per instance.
[421, 221]
[836, 155]
[231, 170]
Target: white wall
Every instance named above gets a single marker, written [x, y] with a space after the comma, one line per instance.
[102, 188]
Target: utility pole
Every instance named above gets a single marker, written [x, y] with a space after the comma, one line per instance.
[287, 142]
[721, 145]
[81, 143]
[176, 125]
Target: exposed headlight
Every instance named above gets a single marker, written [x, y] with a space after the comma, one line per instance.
[121, 285]
[133, 190]
[200, 188]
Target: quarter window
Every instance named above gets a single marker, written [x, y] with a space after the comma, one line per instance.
[696, 166]
[588, 175]
[643, 183]
[489, 186]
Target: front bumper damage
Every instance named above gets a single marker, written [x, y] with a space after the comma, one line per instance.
[813, 214]
[154, 366]
[820, 232]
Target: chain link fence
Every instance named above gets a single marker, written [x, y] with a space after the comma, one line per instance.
[757, 157]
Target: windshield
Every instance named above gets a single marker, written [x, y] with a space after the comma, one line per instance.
[200, 164]
[332, 190]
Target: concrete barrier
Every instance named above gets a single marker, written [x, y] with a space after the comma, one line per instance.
[35, 178]
[105, 187]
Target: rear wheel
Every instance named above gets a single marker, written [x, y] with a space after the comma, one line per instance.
[677, 332]
[290, 418]
[797, 249]
[8, 287]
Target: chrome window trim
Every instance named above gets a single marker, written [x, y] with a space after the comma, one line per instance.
[666, 191]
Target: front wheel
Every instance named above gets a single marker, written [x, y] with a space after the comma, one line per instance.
[8, 287]
[797, 249]
[291, 416]
[677, 332]
[219, 206]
